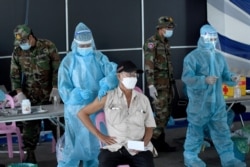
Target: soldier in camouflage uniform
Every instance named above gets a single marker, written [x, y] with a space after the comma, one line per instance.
[34, 69]
[159, 76]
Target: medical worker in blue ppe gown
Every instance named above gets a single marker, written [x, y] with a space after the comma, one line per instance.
[84, 74]
[204, 71]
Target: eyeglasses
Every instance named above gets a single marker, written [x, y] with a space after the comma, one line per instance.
[130, 74]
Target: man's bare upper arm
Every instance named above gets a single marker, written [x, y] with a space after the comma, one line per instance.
[95, 106]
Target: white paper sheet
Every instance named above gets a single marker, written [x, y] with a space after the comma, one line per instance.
[136, 145]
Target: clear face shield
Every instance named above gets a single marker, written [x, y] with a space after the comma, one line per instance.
[212, 39]
[83, 37]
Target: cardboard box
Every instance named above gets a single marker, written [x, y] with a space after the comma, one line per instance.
[229, 90]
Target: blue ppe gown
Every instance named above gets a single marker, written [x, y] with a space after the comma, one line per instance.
[80, 77]
[2, 96]
[206, 107]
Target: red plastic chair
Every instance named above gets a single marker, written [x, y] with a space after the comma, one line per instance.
[11, 128]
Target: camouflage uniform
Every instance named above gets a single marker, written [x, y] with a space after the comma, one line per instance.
[34, 71]
[159, 72]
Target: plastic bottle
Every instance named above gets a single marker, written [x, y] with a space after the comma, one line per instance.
[42, 132]
[26, 106]
[55, 101]
[237, 91]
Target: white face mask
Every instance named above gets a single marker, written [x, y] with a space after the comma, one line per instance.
[129, 82]
[168, 33]
[25, 46]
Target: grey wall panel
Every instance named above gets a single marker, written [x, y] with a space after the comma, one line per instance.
[47, 19]
[177, 60]
[5, 73]
[12, 12]
[115, 24]
[188, 17]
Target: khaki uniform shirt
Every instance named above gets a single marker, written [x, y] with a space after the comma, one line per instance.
[158, 65]
[127, 123]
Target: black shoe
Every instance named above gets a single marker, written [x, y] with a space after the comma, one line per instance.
[162, 146]
[31, 158]
[168, 148]
[209, 141]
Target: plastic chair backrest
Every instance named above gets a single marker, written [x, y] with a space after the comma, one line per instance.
[11, 128]
[99, 119]
[10, 101]
[138, 89]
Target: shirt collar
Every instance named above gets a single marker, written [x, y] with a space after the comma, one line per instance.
[120, 93]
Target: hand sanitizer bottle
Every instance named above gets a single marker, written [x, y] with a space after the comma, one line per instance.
[26, 106]
[42, 132]
[237, 91]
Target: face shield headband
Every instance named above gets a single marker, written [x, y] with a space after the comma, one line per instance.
[83, 37]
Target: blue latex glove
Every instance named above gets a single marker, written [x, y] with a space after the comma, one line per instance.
[236, 78]
[86, 94]
[102, 92]
[2, 95]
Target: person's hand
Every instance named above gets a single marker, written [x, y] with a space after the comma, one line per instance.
[108, 140]
[236, 78]
[211, 80]
[153, 92]
[54, 95]
[19, 98]
[102, 92]
[86, 94]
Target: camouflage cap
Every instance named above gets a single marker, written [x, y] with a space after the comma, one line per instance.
[21, 32]
[165, 21]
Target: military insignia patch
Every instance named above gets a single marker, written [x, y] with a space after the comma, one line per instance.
[18, 36]
[151, 45]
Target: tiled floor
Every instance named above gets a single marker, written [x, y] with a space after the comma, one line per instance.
[174, 137]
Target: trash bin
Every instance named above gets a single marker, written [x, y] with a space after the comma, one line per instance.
[23, 165]
[241, 147]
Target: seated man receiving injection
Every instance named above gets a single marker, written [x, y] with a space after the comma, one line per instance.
[129, 119]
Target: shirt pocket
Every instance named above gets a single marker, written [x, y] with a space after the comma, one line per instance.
[115, 115]
[43, 62]
[137, 117]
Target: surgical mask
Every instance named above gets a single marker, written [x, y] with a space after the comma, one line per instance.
[168, 33]
[213, 44]
[85, 51]
[25, 46]
[129, 82]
